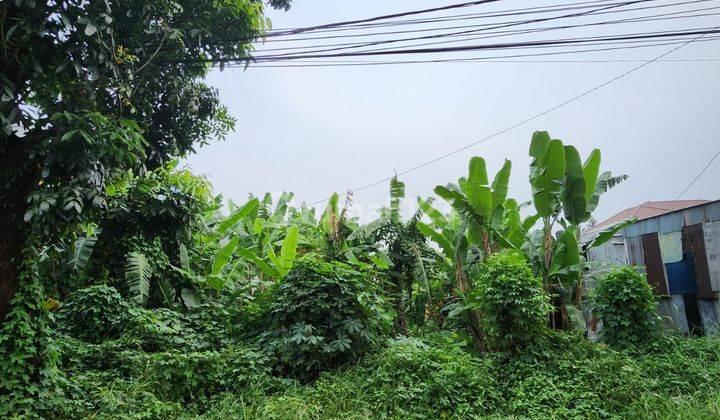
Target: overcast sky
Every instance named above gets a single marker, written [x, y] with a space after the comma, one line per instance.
[315, 131]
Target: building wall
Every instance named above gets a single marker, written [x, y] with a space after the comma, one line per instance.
[702, 221]
[697, 222]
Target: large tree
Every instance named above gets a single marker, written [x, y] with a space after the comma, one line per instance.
[89, 89]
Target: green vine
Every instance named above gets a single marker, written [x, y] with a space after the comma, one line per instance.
[28, 367]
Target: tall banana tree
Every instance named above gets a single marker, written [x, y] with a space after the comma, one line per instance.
[480, 204]
[565, 193]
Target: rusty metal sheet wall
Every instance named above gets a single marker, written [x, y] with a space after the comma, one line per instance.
[634, 251]
[693, 241]
[632, 231]
[670, 222]
[708, 316]
[711, 234]
[653, 263]
[671, 246]
[610, 252]
[677, 312]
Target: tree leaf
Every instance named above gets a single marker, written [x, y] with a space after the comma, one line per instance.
[223, 256]
[190, 298]
[434, 214]
[499, 192]
[90, 29]
[288, 249]
[185, 260]
[547, 174]
[606, 234]
[240, 213]
[477, 190]
[82, 251]
[438, 238]
[573, 197]
[591, 170]
[264, 267]
[397, 193]
[138, 272]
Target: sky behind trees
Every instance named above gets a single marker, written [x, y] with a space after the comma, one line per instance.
[315, 131]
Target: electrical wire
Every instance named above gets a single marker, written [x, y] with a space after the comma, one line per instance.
[698, 175]
[482, 47]
[527, 120]
[503, 58]
[385, 17]
[505, 33]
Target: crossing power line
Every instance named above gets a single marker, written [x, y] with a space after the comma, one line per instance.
[702, 171]
[529, 119]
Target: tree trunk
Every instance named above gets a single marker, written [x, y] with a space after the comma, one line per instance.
[473, 316]
[13, 190]
[400, 320]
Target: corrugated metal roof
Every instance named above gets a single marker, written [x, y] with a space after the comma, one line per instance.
[646, 210]
[674, 221]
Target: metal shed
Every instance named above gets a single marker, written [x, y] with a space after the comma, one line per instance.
[680, 253]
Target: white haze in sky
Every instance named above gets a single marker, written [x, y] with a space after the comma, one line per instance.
[315, 131]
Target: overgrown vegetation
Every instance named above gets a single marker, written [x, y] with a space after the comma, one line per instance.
[513, 304]
[128, 290]
[624, 302]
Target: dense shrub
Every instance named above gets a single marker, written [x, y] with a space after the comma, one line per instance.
[624, 302]
[323, 314]
[94, 314]
[414, 379]
[560, 376]
[194, 377]
[512, 302]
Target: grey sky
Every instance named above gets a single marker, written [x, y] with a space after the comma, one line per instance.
[314, 131]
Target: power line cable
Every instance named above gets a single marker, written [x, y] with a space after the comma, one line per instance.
[514, 32]
[481, 47]
[347, 63]
[698, 175]
[478, 16]
[466, 32]
[385, 17]
[270, 35]
[506, 12]
[527, 120]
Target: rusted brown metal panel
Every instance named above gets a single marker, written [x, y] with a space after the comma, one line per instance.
[694, 242]
[653, 263]
[633, 247]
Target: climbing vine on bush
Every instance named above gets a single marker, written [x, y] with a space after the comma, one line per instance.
[323, 314]
[511, 299]
[625, 304]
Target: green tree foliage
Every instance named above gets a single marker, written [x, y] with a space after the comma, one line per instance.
[511, 299]
[89, 91]
[624, 301]
[323, 315]
[94, 314]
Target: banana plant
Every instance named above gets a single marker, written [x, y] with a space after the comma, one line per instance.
[480, 204]
[450, 234]
[274, 265]
[565, 193]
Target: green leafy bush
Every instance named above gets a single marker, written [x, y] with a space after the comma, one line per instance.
[195, 377]
[414, 379]
[323, 314]
[94, 314]
[511, 299]
[625, 303]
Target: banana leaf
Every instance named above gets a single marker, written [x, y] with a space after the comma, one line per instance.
[573, 198]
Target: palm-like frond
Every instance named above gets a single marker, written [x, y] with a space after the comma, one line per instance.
[137, 273]
[82, 251]
[615, 180]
